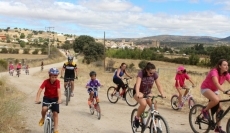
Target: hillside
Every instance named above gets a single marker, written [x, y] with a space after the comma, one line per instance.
[227, 39]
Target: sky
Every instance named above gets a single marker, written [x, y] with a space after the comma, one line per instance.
[120, 18]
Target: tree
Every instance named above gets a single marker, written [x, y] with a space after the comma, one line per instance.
[194, 59]
[93, 52]
[142, 64]
[26, 51]
[81, 42]
[22, 44]
[222, 52]
[22, 36]
[4, 50]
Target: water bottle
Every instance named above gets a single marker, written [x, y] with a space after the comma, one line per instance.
[144, 117]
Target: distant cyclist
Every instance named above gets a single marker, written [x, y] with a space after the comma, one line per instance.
[19, 67]
[42, 65]
[117, 78]
[11, 67]
[70, 69]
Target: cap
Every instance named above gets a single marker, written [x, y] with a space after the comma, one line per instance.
[180, 68]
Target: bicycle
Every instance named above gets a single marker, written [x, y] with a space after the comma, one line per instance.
[95, 105]
[11, 72]
[127, 92]
[151, 115]
[18, 72]
[210, 123]
[68, 91]
[189, 97]
[27, 71]
[49, 122]
[42, 68]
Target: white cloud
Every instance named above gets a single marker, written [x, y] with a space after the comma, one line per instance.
[118, 18]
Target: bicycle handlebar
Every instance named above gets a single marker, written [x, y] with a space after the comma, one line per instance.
[189, 87]
[226, 92]
[152, 97]
[47, 103]
[127, 78]
[69, 78]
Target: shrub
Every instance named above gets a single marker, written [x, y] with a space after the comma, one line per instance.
[16, 51]
[26, 51]
[142, 64]
[4, 50]
[3, 64]
[35, 51]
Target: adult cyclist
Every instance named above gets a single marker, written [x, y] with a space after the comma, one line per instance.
[70, 69]
[42, 64]
[19, 67]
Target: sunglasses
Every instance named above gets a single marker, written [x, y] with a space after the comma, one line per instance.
[151, 73]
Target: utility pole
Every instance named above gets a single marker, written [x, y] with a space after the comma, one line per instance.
[104, 51]
[48, 29]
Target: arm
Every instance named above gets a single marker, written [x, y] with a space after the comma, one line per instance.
[216, 82]
[59, 95]
[62, 70]
[38, 95]
[191, 82]
[137, 87]
[76, 72]
[159, 87]
[118, 72]
[127, 74]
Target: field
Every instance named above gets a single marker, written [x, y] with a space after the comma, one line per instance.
[22, 56]
[166, 73]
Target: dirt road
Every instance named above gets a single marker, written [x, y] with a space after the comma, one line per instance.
[75, 118]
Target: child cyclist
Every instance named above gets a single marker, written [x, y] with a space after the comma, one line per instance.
[180, 77]
[92, 86]
[52, 94]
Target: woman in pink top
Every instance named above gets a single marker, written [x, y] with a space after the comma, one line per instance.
[179, 84]
[211, 86]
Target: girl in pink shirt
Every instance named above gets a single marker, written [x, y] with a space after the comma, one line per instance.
[211, 85]
[179, 84]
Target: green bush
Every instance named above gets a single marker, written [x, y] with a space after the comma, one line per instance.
[4, 50]
[142, 64]
[26, 51]
[35, 51]
[15, 51]
[10, 50]
[3, 64]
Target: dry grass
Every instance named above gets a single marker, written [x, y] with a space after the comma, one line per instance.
[10, 105]
[22, 56]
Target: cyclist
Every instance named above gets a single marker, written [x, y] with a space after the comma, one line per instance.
[211, 86]
[27, 68]
[52, 94]
[117, 78]
[144, 83]
[11, 67]
[92, 86]
[70, 69]
[180, 77]
[19, 67]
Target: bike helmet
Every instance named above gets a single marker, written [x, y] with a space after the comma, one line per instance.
[92, 73]
[53, 71]
[70, 58]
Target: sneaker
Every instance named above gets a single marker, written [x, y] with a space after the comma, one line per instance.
[56, 131]
[218, 129]
[72, 94]
[117, 94]
[41, 122]
[136, 122]
[205, 114]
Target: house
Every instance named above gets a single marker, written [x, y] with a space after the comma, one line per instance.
[24, 40]
[2, 37]
[71, 40]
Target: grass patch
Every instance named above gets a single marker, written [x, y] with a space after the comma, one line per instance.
[10, 105]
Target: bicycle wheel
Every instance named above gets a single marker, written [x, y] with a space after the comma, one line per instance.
[67, 96]
[134, 129]
[111, 94]
[161, 125]
[91, 109]
[228, 126]
[196, 120]
[174, 102]
[191, 102]
[129, 98]
[98, 109]
[47, 126]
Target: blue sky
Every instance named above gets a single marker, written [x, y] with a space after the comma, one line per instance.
[120, 18]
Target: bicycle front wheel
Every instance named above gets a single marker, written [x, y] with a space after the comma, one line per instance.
[196, 120]
[98, 109]
[228, 126]
[134, 128]
[175, 102]
[47, 126]
[67, 96]
[111, 94]
[129, 98]
[191, 102]
[160, 124]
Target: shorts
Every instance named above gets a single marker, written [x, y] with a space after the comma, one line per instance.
[95, 91]
[18, 68]
[55, 107]
[145, 94]
[204, 90]
[69, 76]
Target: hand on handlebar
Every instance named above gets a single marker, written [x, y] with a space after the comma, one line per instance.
[37, 102]
[76, 77]
[227, 92]
[61, 77]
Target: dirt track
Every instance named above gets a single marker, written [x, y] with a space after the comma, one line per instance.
[75, 118]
